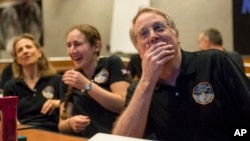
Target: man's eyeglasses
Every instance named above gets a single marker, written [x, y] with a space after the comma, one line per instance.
[157, 27]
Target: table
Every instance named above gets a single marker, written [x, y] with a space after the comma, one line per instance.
[33, 134]
[22, 127]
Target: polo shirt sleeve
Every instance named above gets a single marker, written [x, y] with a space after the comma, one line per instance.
[238, 85]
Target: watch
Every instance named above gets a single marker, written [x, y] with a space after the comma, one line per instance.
[87, 87]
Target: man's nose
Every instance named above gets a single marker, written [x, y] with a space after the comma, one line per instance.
[153, 36]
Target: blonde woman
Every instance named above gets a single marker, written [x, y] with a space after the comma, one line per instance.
[35, 83]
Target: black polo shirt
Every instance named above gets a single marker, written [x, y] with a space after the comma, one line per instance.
[211, 96]
[30, 102]
[108, 71]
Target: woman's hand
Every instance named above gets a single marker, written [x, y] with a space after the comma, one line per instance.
[49, 106]
[74, 79]
[78, 123]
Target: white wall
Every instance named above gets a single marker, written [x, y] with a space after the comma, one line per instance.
[193, 16]
[123, 12]
[61, 15]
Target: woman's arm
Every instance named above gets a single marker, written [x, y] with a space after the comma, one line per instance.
[64, 125]
[114, 100]
[71, 124]
[111, 100]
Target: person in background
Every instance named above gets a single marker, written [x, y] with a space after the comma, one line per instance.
[7, 72]
[6, 75]
[36, 84]
[134, 67]
[211, 39]
[95, 91]
[181, 95]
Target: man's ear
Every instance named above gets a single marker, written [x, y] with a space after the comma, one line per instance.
[178, 38]
[207, 41]
[176, 33]
[98, 46]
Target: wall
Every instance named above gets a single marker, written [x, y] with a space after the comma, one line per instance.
[192, 16]
[123, 12]
[61, 15]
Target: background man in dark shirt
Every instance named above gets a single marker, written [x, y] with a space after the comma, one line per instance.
[212, 39]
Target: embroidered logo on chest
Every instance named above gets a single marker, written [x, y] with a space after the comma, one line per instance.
[48, 92]
[203, 93]
[102, 76]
